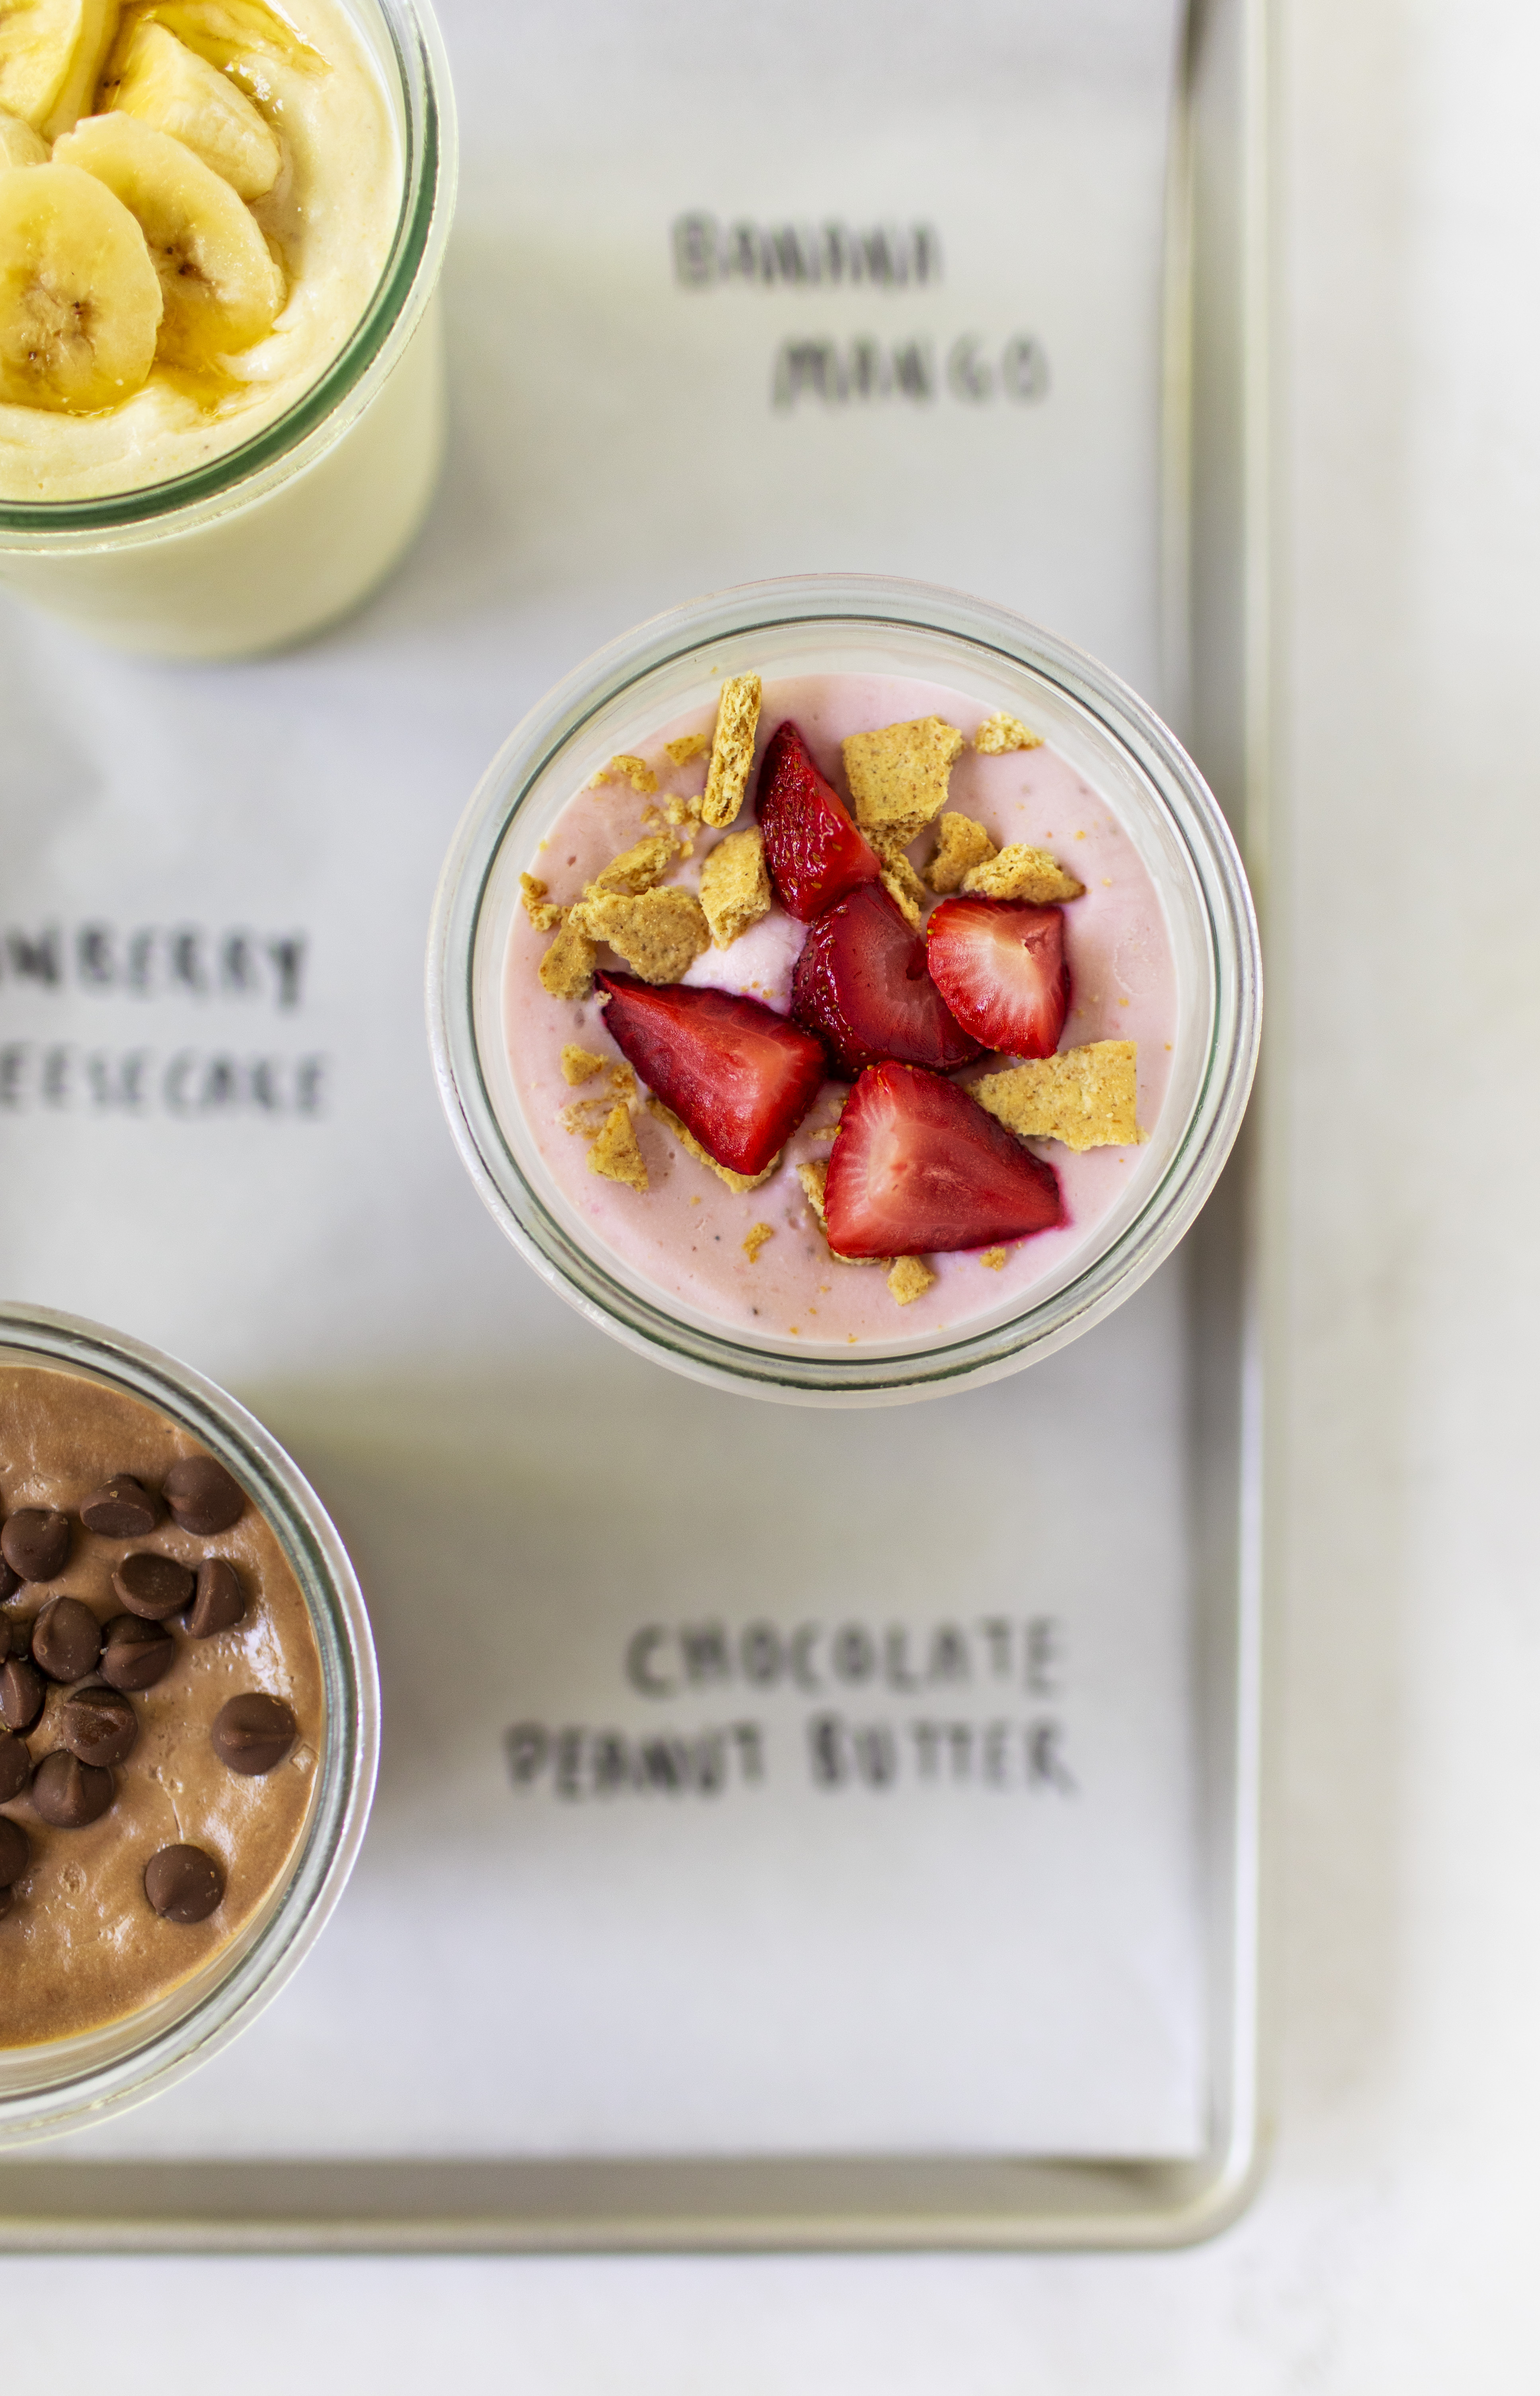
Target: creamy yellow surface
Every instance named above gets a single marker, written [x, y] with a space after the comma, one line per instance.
[329, 220]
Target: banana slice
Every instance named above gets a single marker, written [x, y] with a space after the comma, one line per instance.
[80, 303]
[233, 35]
[218, 278]
[171, 87]
[51, 53]
[20, 146]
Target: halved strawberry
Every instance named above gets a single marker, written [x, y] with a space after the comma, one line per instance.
[918, 1166]
[1001, 970]
[814, 851]
[735, 1073]
[861, 984]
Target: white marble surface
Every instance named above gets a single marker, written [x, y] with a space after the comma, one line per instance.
[1391, 2247]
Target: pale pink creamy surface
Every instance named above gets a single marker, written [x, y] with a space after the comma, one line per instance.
[684, 1236]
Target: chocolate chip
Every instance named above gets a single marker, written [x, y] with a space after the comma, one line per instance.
[120, 1509]
[153, 1586]
[6, 1902]
[15, 1639]
[15, 1851]
[183, 1884]
[68, 1793]
[35, 1543]
[202, 1496]
[9, 1582]
[220, 1600]
[137, 1654]
[252, 1734]
[99, 1725]
[66, 1640]
[15, 1768]
[21, 1693]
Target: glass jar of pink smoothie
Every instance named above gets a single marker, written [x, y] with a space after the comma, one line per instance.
[734, 1282]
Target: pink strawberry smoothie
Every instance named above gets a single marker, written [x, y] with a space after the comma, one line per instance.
[683, 1240]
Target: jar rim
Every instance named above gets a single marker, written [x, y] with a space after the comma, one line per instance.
[1111, 1272]
[325, 408]
[104, 2072]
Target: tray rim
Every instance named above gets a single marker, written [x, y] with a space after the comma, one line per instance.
[897, 2204]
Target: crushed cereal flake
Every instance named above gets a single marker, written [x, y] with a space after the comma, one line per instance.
[1083, 1097]
[659, 934]
[689, 745]
[909, 1279]
[962, 844]
[898, 776]
[1000, 732]
[1021, 872]
[544, 916]
[614, 1153]
[579, 1064]
[739, 1181]
[732, 749]
[735, 887]
[567, 968]
[755, 1239]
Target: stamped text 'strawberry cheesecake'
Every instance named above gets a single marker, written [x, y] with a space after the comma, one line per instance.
[196, 201]
[851, 972]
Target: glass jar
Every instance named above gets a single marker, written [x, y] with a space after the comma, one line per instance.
[849, 624]
[277, 538]
[69, 2083]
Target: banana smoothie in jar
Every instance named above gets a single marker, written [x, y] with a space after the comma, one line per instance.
[221, 222]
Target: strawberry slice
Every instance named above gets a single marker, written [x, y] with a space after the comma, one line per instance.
[814, 851]
[735, 1073]
[861, 984]
[1001, 970]
[918, 1166]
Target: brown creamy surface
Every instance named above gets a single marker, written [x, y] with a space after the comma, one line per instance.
[81, 1946]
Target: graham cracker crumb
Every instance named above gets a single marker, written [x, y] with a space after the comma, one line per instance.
[634, 770]
[1083, 1097]
[1000, 732]
[898, 776]
[687, 1140]
[995, 1259]
[579, 1064]
[909, 1279]
[585, 1115]
[755, 1240]
[689, 745]
[813, 1175]
[683, 811]
[614, 1153]
[635, 870]
[732, 749]
[544, 917]
[659, 934]
[567, 968]
[735, 887]
[623, 1082]
[1021, 872]
[962, 844]
[904, 889]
